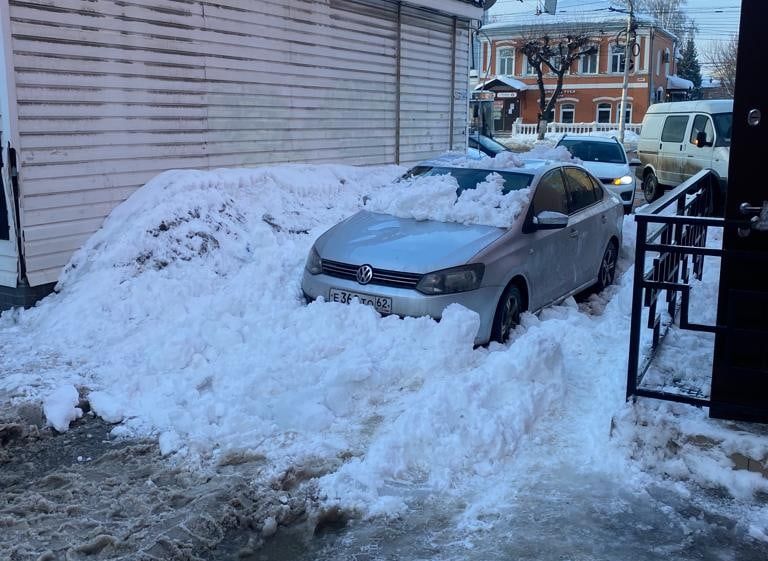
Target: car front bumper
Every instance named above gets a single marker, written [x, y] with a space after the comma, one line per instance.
[625, 192]
[408, 302]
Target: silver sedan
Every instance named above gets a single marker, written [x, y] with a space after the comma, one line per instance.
[565, 240]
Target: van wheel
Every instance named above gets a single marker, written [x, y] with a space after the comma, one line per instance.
[507, 314]
[651, 188]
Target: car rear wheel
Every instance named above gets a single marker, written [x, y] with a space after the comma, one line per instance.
[651, 188]
[607, 272]
[507, 314]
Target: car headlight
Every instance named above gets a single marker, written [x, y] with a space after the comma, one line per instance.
[314, 264]
[449, 281]
[625, 180]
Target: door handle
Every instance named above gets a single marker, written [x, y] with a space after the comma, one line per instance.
[758, 218]
[573, 234]
[691, 156]
[603, 219]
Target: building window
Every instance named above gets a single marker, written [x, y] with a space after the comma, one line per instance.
[528, 69]
[617, 59]
[589, 64]
[658, 62]
[666, 62]
[505, 61]
[604, 113]
[627, 112]
[567, 113]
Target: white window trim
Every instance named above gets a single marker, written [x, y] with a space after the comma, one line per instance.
[615, 54]
[597, 64]
[597, 112]
[667, 64]
[500, 48]
[628, 107]
[572, 108]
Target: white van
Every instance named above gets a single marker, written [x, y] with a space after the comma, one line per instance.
[680, 139]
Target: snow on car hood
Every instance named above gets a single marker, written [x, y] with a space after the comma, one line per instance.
[404, 244]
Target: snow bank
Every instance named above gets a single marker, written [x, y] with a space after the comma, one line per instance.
[183, 316]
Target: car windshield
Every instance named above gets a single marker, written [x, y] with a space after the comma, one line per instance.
[468, 178]
[608, 152]
[489, 144]
[723, 124]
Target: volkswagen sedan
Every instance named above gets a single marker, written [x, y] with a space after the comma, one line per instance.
[565, 239]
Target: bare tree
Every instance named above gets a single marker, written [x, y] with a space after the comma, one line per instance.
[721, 58]
[556, 55]
[669, 14]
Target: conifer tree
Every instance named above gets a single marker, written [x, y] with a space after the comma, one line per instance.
[688, 66]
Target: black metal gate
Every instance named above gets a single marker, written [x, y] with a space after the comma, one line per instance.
[669, 253]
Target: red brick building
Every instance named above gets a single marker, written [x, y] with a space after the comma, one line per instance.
[592, 88]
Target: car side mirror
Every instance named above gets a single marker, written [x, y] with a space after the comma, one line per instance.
[634, 162]
[701, 139]
[550, 220]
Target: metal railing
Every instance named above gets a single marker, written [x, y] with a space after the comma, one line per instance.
[671, 245]
[572, 128]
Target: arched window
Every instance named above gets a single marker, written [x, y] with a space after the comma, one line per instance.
[505, 61]
[603, 112]
[567, 113]
[627, 112]
[658, 62]
[666, 62]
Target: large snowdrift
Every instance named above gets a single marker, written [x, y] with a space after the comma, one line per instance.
[182, 318]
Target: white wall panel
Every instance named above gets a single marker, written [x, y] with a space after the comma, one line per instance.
[110, 93]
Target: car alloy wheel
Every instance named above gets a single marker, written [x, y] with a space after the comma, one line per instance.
[651, 188]
[607, 271]
[507, 314]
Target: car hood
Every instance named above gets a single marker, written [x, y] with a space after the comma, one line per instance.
[403, 244]
[604, 170]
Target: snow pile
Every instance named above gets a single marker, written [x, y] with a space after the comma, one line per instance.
[435, 198]
[60, 407]
[183, 318]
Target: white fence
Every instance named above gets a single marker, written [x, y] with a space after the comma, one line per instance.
[573, 128]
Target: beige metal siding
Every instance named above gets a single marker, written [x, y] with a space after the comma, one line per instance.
[111, 93]
[434, 84]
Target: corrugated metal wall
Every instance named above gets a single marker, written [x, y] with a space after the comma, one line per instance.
[110, 93]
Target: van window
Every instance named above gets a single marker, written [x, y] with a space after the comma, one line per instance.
[723, 124]
[702, 123]
[674, 128]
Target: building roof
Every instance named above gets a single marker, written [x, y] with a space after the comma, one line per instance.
[505, 80]
[509, 15]
[678, 83]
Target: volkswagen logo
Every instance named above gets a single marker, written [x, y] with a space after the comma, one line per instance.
[364, 274]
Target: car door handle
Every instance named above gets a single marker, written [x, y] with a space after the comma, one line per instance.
[574, 234]
[603, 219]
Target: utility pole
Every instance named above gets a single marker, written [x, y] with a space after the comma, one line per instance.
[628, 48]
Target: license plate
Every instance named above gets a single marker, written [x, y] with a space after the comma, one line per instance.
[382, 304]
